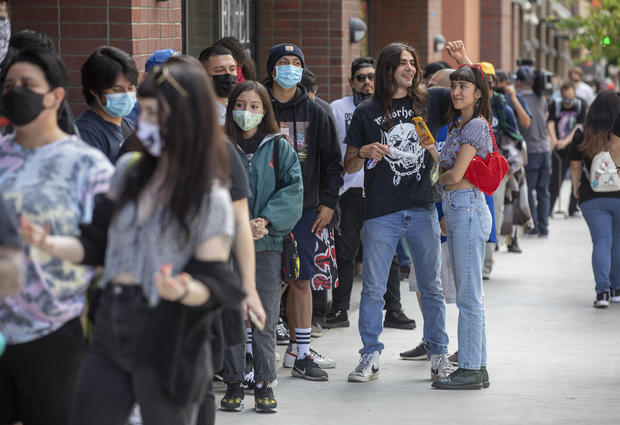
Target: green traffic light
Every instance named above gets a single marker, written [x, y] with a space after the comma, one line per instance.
[605, 42]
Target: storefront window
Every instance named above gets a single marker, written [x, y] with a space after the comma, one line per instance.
[208, 20]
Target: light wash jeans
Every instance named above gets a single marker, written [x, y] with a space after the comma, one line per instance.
[603, 218]
[420, 227]
[468, 224]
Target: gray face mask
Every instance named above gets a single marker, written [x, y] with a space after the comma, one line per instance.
[5, 35]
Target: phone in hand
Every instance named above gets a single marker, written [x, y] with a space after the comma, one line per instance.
[423, 130]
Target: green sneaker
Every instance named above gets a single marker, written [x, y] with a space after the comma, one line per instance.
[460, 379]
[233, 399]
[484, 377]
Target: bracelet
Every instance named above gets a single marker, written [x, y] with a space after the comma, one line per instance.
[358, 155]
[183, 295]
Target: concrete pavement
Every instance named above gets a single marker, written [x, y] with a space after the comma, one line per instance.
[553, 359]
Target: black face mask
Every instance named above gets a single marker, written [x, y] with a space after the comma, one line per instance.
[360, 97]
[22, 106]
[224, 84]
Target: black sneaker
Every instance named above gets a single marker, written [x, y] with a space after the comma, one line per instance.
[398, 319]
[417, 353]
[337, 319]
[602, 300]
[514, 246]
[264, 401]
[282, 335]
[306, 368]
[615, 295]
[233, 399]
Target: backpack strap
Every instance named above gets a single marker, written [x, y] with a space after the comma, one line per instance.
[276, 161]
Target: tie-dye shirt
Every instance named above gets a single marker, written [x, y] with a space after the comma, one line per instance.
[51, 185]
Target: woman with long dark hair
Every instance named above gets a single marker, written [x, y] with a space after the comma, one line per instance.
[163, 234]
[52, 179]
[275, 207]
[467, 219]
[601, 210]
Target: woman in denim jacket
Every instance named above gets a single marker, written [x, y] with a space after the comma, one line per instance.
[275, 208]
[467, 220]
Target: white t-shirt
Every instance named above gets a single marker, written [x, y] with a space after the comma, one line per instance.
[585, 92]
[343, 109]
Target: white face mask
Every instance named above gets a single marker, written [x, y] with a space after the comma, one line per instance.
[149, 135]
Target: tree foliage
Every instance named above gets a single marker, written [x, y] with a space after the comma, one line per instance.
[599, 32]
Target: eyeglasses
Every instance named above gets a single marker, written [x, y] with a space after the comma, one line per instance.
[362, 77]
[162, 74]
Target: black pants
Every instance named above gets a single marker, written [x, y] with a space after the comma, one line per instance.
[37, 378]
[347, 244]
[560, 163]
[111, 379]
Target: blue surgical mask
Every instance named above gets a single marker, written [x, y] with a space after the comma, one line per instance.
[120, 104]
[288, 76]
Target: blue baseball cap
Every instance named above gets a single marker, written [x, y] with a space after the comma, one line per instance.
[160, 57]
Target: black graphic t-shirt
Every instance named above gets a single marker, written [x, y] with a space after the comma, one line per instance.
[402, 179]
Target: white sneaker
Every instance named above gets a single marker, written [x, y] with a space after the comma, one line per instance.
[322, 362]
[441, 366]
[290, 356]
[136, 417]
[367, 369]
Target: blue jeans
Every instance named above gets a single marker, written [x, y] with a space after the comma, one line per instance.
[468, 224]
[538, 175]
[420, 227]
[603, 218]
[402, 251]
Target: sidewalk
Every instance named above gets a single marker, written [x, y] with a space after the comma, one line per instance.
[553, 359]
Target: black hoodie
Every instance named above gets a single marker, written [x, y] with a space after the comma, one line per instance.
[314, 139]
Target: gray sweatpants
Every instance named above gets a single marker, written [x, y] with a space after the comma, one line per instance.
[268, 283]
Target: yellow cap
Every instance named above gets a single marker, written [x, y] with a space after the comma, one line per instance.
[487, 68]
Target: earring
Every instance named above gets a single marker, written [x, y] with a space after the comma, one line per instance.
[477, 103]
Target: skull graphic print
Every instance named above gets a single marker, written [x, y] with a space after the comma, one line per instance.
[406, 155]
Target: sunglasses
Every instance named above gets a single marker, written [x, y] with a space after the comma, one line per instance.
[162, 74]
[362, 77]
[473, 66]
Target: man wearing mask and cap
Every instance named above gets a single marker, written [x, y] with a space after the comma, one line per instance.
[352, 210]
[222, 70]
[314, 139]
[538, 169]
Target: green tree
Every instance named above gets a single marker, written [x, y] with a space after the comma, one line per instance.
[599, 32]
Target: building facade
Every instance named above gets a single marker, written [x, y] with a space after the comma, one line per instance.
[498, 31]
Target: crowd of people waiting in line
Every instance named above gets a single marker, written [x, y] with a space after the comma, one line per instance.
[189, 222]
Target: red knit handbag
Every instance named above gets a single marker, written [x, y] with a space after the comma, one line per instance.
[486, 174]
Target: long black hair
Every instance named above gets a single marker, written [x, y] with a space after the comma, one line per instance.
[193, 140]
[482, 107]
[601, 116]
[386, 86]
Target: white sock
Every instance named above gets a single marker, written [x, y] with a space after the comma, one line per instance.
[248, 340]
[302, 337]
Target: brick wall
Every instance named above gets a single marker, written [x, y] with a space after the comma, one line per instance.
[78, 27]
[321, 29]
[497, 33]
[414, 22]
